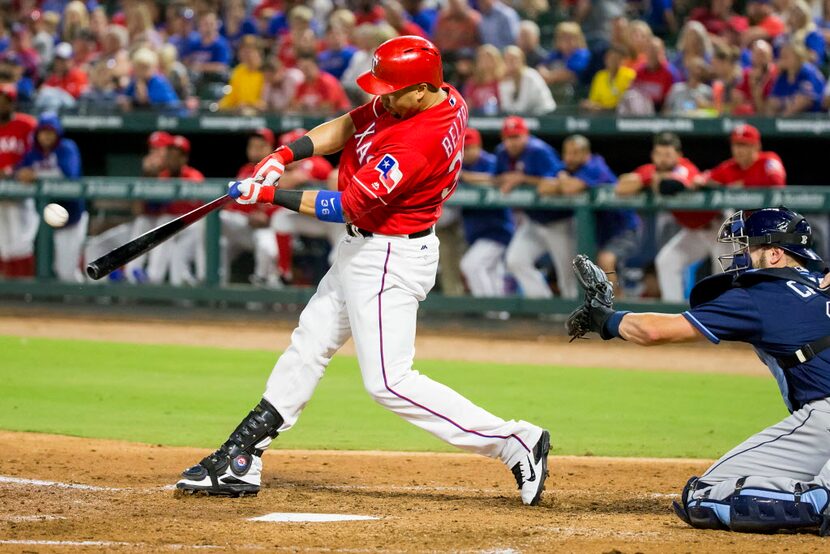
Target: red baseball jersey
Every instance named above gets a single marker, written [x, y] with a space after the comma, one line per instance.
[181, 207]
[396, 174]
[684, 172]
[15, 141]
[767, 171]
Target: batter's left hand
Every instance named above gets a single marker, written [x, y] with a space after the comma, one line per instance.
[251, 191]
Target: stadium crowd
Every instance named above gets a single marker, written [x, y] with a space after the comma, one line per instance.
[514, 58]
[527, 57]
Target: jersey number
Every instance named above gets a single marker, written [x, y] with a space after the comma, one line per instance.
[455, 166]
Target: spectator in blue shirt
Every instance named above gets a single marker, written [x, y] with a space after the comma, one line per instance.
[799, 86]
[499, 23]
[210, 53]
[803, 31]
[422, 16]
[236, 23]
[568, 63]
[659, 14]
[148, 88]
[338, 53]
[181, 30]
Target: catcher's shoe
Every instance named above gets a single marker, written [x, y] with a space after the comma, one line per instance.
[221, 475]
[532, 470]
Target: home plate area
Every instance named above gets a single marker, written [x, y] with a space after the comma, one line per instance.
[64, 494]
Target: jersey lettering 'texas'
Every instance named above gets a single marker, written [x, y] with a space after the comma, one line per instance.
[395, 174]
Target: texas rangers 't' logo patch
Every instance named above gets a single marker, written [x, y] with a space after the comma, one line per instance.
[390, 172]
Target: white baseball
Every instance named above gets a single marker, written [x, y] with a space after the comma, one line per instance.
[55, 215]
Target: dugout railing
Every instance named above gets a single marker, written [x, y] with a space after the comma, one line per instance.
[809, 199]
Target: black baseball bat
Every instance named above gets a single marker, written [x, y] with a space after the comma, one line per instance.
[126, 253]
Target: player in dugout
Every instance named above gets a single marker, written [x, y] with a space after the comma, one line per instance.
[770, 297]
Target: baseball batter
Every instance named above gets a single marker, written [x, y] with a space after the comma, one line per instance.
[402, 154]
[779, 478]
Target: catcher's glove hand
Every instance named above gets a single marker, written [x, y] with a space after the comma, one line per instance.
[599, 300]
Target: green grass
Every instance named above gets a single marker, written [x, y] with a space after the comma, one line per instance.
[180, 395]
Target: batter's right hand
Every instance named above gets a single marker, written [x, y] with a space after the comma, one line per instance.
[270, 168]
[251, 191]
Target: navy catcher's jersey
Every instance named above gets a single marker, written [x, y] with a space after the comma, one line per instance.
[777, 316]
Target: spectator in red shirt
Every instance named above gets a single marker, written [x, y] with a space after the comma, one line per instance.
[719, 18]
[481, 91]
[367, 11]
[321, 92]
[749, 166]
[763, 23]
[656, 76]
[63, 76]
[300, 36]
[758, 79]
[396, 17]
[457, 27]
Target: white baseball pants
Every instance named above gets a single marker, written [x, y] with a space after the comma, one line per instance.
[66, 253]
[19, 222]
[371, 293]
[531, 241]
[483, 268]
[238, 236]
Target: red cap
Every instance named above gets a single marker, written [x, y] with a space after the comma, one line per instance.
[401, 62]
[266, 134]
[291, 136]
[514, 126]
[9, 90]
[181, 143]
[159, 139]
[472, 137]
[746, 134]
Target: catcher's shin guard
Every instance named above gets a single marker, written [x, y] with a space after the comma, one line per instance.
[235, 468]
[764, 511]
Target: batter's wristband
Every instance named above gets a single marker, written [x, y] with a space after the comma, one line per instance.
[327, 206]
[301, 148]
[612, 326]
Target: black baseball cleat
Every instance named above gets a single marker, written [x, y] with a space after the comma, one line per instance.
[236, 468]
[219, 475]
[532, 470]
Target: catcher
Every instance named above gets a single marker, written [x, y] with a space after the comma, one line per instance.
[779, 478]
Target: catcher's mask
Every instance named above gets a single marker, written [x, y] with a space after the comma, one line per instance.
[779, 227]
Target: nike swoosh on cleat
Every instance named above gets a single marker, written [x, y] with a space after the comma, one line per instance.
[532, 471]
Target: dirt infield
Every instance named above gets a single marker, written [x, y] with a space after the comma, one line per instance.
[74, 495]
[424, 502]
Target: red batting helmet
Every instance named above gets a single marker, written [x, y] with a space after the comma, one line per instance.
[402, 62]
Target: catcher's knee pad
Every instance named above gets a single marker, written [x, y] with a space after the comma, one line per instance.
[700, 513]
[754, 510]
[250, 438]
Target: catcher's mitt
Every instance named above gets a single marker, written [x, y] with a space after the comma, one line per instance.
[599, 300]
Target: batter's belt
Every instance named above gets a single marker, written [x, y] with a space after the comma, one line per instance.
[355, 231]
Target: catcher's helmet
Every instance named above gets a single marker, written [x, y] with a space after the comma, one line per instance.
[779, 227]
[402, 62]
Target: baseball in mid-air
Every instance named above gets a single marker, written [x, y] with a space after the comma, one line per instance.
[55, 215]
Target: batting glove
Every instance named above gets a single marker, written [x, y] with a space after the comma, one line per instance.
[271, 168]
[251, 191]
